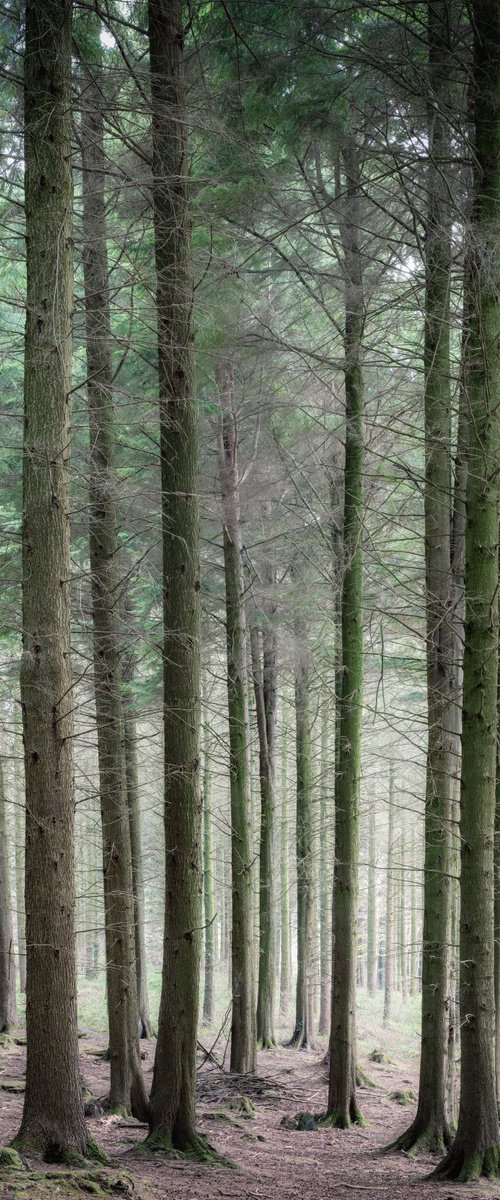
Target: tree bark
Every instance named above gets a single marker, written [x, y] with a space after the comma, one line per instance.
[325, 874]
[265, 690]
[208, 888]
[53, 1116]
[285, 950]
[403, 948]
[8, 1013]
[342, 1103]
[127, 1090]
[243, 1029]
[20, 913]
[372, 938]
[303, 1033]
[429, 1130]
[135, 831]
[173, 1093]
[413, 919]
[476, 1147]
[389, 907]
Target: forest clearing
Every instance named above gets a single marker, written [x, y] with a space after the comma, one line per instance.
[249, 614]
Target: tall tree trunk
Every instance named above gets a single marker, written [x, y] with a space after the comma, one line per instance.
[497, 918]
[403, 947]
[476, 1147]
[372, 939]
[20, 913]
[458, 528]
[303, 1033]
[127, 1091]
[208, 888]
[342, 1104]
[173, 1093]
[389, 906]
[325, 876]
[53, 1108]
[285, 949]
[429, 1130]
[413, 918]
[243, 1028]
[135, 832]
[265, 690]
[8, 1013]
[88, 856]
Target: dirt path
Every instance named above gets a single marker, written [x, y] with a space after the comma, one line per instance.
[273, 1162]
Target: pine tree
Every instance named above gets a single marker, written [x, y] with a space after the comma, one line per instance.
[429, 1130]
[243, 1027]
[8, 1014]
[476, 1147]
[173, 1093]
[303, 1032]
[53, 1117]
[127, 1089]
[342, 1103]
[265, 689]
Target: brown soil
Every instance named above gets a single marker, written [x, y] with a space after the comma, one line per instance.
[272, 1162]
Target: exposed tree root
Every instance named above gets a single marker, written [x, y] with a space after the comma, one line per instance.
[299, 1041]
[94, 1153]
[343, 1120]
[55, 1153]
[363, 1080]
[420, 1139]
[25, 1181]
[193, 1149]
[465, 1168]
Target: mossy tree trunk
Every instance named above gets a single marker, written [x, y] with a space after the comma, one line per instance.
[127, 1090]
[173, 1093]
[342, 1103]
[476, 1147]
[243, 1028]
[53, 1115]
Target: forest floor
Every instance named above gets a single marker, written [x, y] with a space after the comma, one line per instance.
[272, 1162]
